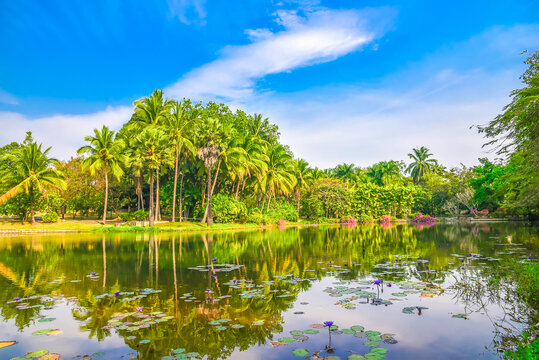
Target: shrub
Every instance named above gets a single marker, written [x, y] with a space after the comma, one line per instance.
[127, 216]
[140, 215]
[283, 211]
[50, 217]
[258, 218]
[226, 209]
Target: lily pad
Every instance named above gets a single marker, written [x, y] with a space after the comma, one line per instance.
[357, 328]
[301, 338]
[35, 354]
[311, 332]
[399, 294]
[300, 352]
[237, 326]
[316, 326]
[379, 350]
[46, 320]
[374, 356]
[178, 351]
[49, 357]
[296, 332]
[372, 333]
[356, 357]
[460, 316]
[145, 341]
[287, 340]
[372, 343]
[348, 331]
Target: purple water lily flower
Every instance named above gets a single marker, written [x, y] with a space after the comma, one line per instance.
[208, 290]
[328, 323]
[117, 293]
[16, 298]
[377, 282]
[139, 308]
[214, 259]
[389, 285]
[234, 281]
[462, 260]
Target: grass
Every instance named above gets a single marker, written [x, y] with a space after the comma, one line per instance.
[86, 225]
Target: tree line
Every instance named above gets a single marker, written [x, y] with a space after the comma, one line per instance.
[178, 159]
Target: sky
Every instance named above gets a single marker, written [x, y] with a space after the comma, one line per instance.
[346, 81]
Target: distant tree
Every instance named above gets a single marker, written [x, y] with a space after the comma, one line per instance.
[421, 163]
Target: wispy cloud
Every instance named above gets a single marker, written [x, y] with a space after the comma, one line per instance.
[7, 98]
[314, 37]
[65, 133]
[188, 11]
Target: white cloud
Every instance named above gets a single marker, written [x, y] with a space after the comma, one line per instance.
[319, 36]
[65, 133]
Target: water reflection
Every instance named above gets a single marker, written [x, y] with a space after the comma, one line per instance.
[263, 306]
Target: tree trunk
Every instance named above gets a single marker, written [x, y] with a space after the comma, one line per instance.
[175, 185]
[157, 207]
[106, 194]
[208, 208]
[212, 188]
[299, 198]
[237, 189]
[31, 193]
[180, 208]
[269, 201]
[151, 219]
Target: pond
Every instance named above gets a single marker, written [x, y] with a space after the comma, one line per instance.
[398, 292]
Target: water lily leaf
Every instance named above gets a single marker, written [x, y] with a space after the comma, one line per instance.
[360, 334]
[301, 338]
[460, 316]
[374, 356]
[46, 320]
[35, 354]
[371, 333]
[332, 357]
[316, 326]
[287, 339]
[378, 350]
[311, 332]
[348, 331]
[296, 332]
[220, 328]
[178, 351]
[258, 323]
[49, 357]
[300, 352]
[278, 343]
[374, 338]
[237, 326]
[145, 341]
[356, 357]
[357, 328]
[214, 322]
[399, 294]
[372, 343]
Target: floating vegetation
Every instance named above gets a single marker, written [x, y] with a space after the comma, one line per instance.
[216, 267]
[460, 316]
[142, 320]
[413, 309]
[48, 332]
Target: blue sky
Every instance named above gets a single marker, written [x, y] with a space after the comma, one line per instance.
[346, 81]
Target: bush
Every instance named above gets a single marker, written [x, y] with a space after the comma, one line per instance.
[258, 218]
[283, 211]
[50, 217]
[127, 216]
[226, 209]
[140, 215]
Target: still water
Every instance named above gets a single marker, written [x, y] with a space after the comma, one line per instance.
[400, 292]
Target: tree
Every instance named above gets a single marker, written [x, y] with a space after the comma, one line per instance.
[280, 177]
[30, 170]
[106, 152]
[421, 163]
[179, 125]
[303, 178]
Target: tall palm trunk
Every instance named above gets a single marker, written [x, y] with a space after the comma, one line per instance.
[151, 219]
[211, 191]
[180, 208]
[237, 189]
[106, 194]
[157, 207]
[208, 212]
[299, 198]
[175, 184]
[31, 195]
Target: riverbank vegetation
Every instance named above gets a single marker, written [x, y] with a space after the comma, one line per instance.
[175, 160]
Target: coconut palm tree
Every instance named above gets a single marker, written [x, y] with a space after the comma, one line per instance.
[179, 125]
[151, 141]
[210, 134]
[152, 110]
[30, 170]
[346, 172]
[106, 153]
[421, 163]
[260, 127]
[383, 172]
[303, 176]
[280, 178]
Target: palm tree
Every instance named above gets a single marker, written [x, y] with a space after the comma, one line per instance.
[210, 134]
[151, 142]
[179, 125]
[106, 152]
[280, 178]
[421, 163]
[260, 127]
[345, 171]
[30, 169]
[152, 110]
[303, 176]
[384, 171]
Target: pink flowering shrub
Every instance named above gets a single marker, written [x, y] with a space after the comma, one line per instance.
[424, 219]
[385, 220]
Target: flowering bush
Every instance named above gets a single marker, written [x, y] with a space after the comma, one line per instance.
[386, 219]
[420, 218]
[473, 212]
[484, 212]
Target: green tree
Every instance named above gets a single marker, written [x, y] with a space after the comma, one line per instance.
[106, 153]
[304, 178]
[421, 163]
[29, 169]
